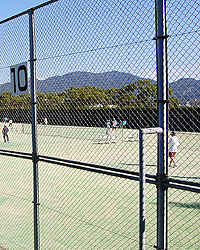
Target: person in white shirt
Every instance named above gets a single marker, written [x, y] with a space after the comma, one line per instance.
[173, 148]
[45, 121]
[114, 123]
[108, 131]
[10, 123]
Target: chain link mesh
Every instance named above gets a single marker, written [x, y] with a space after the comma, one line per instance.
[96, 86]
[184, 58]
[16, 204]
[95, 211]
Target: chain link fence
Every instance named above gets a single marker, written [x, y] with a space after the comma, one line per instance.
[183, 55]
[96, 77]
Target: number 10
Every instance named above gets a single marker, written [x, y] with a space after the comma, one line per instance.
[19, 79]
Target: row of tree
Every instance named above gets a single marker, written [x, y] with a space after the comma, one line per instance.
[140, 94]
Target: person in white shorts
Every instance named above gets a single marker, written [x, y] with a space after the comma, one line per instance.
[173, 148]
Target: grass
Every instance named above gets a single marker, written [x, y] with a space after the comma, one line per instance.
[84, 210]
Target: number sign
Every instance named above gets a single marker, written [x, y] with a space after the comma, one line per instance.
[19, 79]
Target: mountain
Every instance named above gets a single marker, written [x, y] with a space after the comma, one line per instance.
[185, 89]
[5, 87]
[105, 80]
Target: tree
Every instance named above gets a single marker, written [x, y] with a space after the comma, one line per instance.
[139, 94]
[7, 101]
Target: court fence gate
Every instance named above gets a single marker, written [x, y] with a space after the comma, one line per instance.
[101, 178]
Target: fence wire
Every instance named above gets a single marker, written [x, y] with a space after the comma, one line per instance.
[96, 81]
[183, 54]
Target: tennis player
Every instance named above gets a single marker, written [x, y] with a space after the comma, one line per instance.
[114, 123]
[173, 148]
[45, 121]
[5, 133]
[108, 127]
[10, 122]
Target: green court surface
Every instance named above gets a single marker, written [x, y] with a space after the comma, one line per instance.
[90, 145]
[84, 210]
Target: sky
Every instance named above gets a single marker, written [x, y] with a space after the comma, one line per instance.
[100, 36]
[92, 34]
[12, 7]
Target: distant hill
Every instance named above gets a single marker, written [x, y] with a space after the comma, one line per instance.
[185, 89]
[106, 80]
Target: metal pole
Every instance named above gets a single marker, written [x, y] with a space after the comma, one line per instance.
[161, 171]
[167, 123]
[34, 128]
[142, 180]
[142, 171]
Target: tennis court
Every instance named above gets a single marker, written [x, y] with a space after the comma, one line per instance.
[84, 210]
[90, 145]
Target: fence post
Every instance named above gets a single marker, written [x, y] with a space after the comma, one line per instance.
[162, 122]
[142, 195]
[142, 171]
[34, 128]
